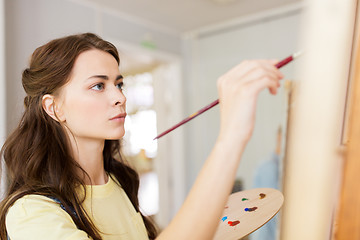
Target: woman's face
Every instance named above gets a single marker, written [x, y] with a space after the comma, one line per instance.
[92, 102]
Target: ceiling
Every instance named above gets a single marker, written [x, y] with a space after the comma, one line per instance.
[181, 16]
[186, 15]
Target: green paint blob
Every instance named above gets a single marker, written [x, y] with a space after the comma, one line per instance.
[244, 199]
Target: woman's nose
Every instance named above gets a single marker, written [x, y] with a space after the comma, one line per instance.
[118, 97]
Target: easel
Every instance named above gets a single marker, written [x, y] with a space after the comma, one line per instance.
[347, 223]
[314, 162]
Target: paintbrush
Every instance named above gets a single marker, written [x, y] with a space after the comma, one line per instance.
[216, 102]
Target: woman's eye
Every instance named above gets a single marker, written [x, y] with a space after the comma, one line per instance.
[99, 86]
[120, 85]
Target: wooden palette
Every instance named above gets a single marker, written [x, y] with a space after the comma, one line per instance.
[247, 211]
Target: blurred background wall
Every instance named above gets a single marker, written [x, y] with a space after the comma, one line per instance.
[214, 50]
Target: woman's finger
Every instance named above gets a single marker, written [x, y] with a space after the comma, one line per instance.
[242, 69]
[270, 65]
[264, 78]
[238, 80]
[269, 81]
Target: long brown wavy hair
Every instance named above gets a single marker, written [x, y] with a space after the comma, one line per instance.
[37, 154]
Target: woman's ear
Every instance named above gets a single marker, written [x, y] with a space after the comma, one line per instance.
[48, 104]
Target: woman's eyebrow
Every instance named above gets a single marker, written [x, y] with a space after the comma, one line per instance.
[105, 77]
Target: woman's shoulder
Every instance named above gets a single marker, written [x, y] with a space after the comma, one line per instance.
[32, 203]
[33, 206]
[36, 215]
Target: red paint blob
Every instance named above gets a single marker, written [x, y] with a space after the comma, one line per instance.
[233, 223]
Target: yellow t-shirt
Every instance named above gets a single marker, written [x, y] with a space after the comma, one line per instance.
[38, 217]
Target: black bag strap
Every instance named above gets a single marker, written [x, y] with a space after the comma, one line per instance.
[62, 206]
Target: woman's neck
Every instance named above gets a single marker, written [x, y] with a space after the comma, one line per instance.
[89, 154]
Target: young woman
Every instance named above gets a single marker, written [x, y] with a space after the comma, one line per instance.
[67, 178]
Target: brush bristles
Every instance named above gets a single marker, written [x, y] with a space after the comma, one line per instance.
[297, 54]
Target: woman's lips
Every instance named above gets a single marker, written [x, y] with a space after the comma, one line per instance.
[120, 117]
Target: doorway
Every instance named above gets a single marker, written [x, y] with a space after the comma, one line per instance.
[152, 85]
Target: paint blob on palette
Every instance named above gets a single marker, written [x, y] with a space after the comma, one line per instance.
[224, 218]
[247, 211]
[233, 223]
[250, 209]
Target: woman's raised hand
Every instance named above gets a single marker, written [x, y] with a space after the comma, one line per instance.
[238, 92]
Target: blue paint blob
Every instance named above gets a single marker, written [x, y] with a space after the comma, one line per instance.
[250, 209]
[224, 218]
